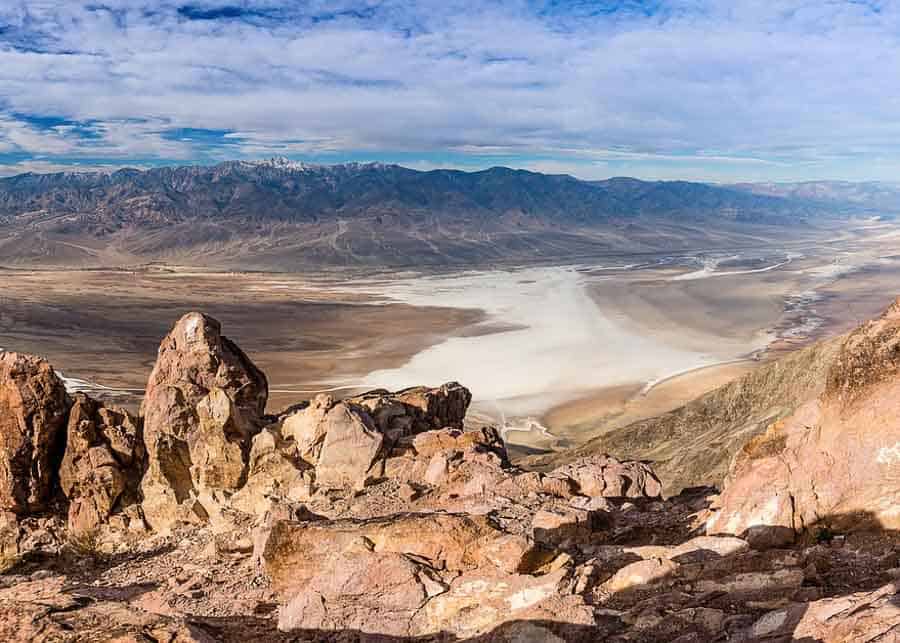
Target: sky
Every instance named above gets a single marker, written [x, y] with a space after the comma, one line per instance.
[730, 90]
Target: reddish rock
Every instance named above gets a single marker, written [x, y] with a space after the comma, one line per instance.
[293, 552]
[357, 591]
[103, 462]
[833, 462]
[606, 477]
[33, 409]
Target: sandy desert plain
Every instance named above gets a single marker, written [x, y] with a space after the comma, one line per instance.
[554, 354]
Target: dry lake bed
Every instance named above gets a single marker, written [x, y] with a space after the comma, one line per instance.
[553, 354]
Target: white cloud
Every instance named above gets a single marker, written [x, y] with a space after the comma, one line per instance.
[46, 167]
[782, 89]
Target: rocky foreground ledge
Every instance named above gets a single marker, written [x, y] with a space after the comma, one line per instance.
[382, 517]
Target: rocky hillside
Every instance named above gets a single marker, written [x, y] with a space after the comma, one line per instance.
[380, 518]
[693, 445]
[280, 214]
[832, 463]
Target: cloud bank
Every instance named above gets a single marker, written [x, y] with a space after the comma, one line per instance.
[739, 90]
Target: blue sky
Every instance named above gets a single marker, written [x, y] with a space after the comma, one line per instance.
[695, 89]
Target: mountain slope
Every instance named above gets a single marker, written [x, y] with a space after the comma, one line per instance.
[873, 197]
[281, 214]
[693, 445]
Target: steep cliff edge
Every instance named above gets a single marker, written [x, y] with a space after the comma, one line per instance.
[833, 463]
[693, 445]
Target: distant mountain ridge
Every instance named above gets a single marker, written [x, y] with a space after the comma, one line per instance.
[283, 190]
[877, 197]
[281, 213]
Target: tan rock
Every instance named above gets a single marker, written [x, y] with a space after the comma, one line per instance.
[274, 472]
[293, 552]
[438, 469]
[307, 427]
[607, 477]
[856, 618]
[476, 603]
[103, 462]
[33, 408]
[352, 445]
[707, 548]
[217, 457]
[641, 574]
[591, 504]
[515, 554]
[189, 424]
[833, 462]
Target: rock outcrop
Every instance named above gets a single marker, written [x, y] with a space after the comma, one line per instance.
[103, 462]
[357, 590]
[33, 410]
[417, 409]
[382, 517]
[292, 552]
[607, 477]
[833, 464]
[857, 618]
[694, 445]
[204, 402]
[350, 447]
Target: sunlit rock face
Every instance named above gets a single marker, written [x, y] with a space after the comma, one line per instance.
[203, 404]
[833, 462]
[104, 458]
[33, 411]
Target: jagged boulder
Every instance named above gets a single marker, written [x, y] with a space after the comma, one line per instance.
[275, 473]
[103, 462]
[459, 462]
[833, 462]
[602, 476]
[33, 409]
[345, 440]
[350, 447]
[417, 409]
[307, 427]
[204, 402]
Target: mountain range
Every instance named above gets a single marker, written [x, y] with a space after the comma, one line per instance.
[283, 214]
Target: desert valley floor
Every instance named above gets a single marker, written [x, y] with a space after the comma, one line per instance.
[554, 354]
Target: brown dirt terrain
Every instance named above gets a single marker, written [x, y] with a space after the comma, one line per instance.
[104, 325]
